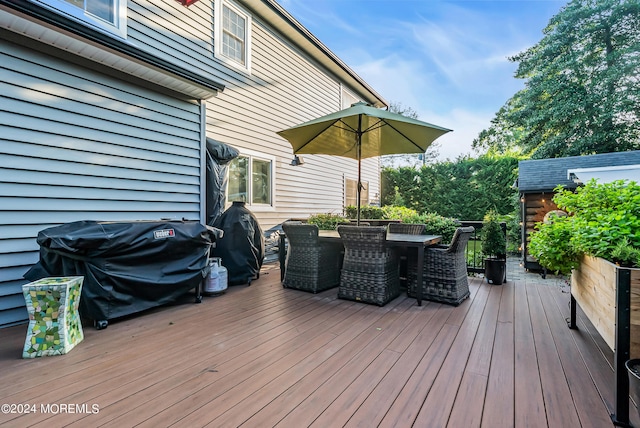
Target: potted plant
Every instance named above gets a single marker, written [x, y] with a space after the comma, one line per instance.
[494, 248]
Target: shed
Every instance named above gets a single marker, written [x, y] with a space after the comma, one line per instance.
[538, 178]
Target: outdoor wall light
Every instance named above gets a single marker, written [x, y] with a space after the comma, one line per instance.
[187, 2]
[297, 161]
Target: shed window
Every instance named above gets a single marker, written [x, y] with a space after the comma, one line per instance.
[106, 15]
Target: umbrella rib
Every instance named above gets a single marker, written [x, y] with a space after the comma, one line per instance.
[316, 136]
[379, 124]
[404, 136]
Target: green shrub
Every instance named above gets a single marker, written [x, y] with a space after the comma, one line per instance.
[551, 245]
[404, 214]
[327, 221]
[435, 223]
[624, 254]
[367, 211]
[439, 225]
[492, 237]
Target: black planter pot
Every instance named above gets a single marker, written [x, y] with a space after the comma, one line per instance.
[633, 370]
[495, 270]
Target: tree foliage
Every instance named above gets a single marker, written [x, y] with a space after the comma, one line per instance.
[409, 159]
[465, 189]
[582, 90]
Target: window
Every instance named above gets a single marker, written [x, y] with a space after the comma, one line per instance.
[251, 180]
[232, 31]
[351, 192]
[347, 98]
[106, 15]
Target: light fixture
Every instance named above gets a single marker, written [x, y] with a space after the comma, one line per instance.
[297, 161]
[187, 2]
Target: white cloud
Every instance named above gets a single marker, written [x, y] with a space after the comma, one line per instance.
[448, 60]
[466, 126]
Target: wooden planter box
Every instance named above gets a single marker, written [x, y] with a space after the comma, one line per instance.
[609, 295]
[593, 285]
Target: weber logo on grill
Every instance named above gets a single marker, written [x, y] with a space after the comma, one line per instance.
[164, 233]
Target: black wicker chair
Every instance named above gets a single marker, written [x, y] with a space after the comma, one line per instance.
[410, 228]
[444, 273]
[370, 271]
[311, 265]
[406, 258]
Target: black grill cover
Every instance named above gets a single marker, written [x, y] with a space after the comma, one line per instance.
[241, 248]
[218, 157]
[127, 266]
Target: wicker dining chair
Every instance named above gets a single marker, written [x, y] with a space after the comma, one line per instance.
[406, 258]
[410, 228]
[369, 271]
[311, 265]
[444, 273]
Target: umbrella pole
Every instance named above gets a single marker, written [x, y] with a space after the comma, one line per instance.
[359, 150]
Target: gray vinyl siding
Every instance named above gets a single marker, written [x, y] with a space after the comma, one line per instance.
[78, 145]
[285, 87]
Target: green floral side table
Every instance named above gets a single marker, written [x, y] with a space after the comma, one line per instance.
[54, 321]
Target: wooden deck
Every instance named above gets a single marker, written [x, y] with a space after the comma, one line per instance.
[263, 356]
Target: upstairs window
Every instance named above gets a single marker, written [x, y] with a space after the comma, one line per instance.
[232, 35]
[109, 16]
[347, 99]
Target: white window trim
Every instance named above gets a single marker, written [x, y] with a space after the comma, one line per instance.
[119, 28]
[258, 207]
[217, 50]
[344, 91]
[366, 184]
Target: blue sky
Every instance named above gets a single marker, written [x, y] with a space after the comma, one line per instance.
[446, 59]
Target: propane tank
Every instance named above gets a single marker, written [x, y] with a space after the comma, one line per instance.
[223, 275]
[212, 285]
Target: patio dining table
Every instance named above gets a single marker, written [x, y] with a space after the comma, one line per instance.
[402, 240]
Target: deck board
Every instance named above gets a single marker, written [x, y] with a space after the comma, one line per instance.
[264, 356]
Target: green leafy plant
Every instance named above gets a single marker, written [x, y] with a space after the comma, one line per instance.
[328, 221]
[492, 236]
[436, 224]
[626, 255]
[551, 245]
[367, 211]
[604, 222]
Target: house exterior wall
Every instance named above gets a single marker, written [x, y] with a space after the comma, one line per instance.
[80, 141]
[292, 90]
[285, 87]
[79, 145]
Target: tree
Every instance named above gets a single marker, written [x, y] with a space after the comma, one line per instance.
[464, 189]
[409, 159]
[582, 90]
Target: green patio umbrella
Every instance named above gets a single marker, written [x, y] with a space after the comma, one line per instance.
[360, 132]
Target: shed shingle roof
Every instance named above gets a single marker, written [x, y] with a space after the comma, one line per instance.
[543, 175]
